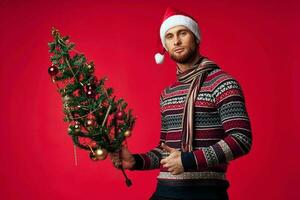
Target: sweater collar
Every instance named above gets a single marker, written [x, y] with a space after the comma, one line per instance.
[184, 76]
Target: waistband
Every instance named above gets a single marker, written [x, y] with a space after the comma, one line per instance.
[193, 175]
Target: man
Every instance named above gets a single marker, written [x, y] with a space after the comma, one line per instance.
[204, 121]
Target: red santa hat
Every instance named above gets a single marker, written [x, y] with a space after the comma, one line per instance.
[172, 18]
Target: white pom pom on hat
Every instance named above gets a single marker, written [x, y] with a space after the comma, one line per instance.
[159, 58]
[172, 18]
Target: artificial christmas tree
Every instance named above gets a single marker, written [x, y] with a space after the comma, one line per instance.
[97, 121]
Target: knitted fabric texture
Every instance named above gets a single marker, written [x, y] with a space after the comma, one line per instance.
[221, 131]
[196, 76]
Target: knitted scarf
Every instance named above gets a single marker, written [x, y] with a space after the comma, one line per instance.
[195, 76]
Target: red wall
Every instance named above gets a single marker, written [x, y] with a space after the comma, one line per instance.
[254, 41]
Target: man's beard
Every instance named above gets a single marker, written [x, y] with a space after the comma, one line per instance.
[186, 58]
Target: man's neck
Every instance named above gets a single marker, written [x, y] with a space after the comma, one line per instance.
[186, 66]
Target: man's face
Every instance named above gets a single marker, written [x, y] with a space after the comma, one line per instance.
[181, 44]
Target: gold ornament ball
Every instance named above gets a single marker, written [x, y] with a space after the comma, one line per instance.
[89, 124]
[77, 128]
[66, 98]
[127, 133]
[101, 154]
[91, 68]
[66, 105]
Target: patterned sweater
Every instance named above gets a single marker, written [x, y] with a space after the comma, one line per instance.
[222, 132]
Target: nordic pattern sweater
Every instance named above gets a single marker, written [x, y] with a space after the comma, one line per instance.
[222, 132]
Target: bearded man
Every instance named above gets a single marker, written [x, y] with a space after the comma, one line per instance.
[204, 122]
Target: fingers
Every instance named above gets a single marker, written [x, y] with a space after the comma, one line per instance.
[173, 163]
[115, 157]
[167, 148]
[122, 158]
[172, 156]
[116, 160]
[167, 163]
[171, 169]
[163, 161]
[117, 165]
[125, 154]
[167, 159]
[175, 172]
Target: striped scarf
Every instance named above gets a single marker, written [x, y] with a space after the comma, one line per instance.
[195, 75]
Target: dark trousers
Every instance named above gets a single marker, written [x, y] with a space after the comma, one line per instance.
[190, 193]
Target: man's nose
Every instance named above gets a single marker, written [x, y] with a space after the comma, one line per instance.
[177, 40]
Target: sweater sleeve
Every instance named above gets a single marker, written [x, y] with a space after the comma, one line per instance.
[151, 159]
[230, 102]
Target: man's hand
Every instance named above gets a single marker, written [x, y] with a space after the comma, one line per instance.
[123, 158]
[173, 161]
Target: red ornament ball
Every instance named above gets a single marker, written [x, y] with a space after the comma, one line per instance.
[52, 70]
[105, 104]
[93, 143]
[120, 115]
[90, 93]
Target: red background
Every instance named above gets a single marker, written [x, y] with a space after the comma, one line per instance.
[253, 41]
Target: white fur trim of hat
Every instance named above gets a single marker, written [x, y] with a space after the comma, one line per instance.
[174, 18]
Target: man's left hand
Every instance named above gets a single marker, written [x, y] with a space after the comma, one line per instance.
[173, 161]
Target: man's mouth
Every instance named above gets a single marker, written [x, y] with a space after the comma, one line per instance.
[178, 50]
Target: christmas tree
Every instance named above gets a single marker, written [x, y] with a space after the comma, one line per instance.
[97, 121]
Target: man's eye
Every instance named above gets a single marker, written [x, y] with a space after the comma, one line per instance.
[183, 33]
[168, 36]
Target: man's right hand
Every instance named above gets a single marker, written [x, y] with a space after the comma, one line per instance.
[123, 158]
